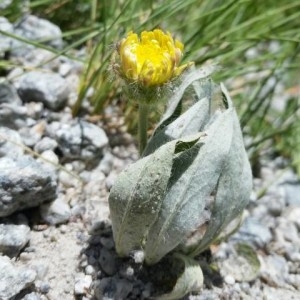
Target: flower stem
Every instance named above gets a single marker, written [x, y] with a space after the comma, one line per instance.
[143, 126]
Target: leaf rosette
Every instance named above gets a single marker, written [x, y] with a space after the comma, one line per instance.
[193, 180]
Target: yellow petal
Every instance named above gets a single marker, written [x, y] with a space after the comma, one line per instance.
[151, 58]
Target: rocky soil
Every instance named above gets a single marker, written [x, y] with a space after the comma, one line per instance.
[55, 175]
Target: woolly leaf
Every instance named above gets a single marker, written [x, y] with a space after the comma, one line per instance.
[136, 197]
[191, 280]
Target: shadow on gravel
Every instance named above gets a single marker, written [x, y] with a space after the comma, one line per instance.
[123, 278]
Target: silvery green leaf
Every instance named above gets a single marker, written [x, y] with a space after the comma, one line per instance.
[191, 280]
[186, 204]
[234, 185]
[175, 100]
[136, 197]
[190, 122]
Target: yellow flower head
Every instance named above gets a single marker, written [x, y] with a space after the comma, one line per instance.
[150, 59]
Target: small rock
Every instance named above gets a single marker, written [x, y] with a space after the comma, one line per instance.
[8, 93]
[32, 134]
[100, 227]
[63, 229]
[10, 143]
[139, 256]
[45, 144]
[112, 288]
[35, 58]
[13, 238]
[25, 257]
[279, 293]
[35, 110]
[13, 116]
[82, 284]
[79, 140]
[24, 183]
[48, 88]
[110, 180]
[229, 279]
[13, 279]
[106, 163]
[78, 210]
[41, 268]
[294, 256]
[51, 158]
[254, 232]
[127, 272]
[274, 270]
[292, 214]
[107, 262]
[43, 287]
[292, 193]
[56, 212]
[108, 243]
[287, 230]
[32, 296]
[124, 287]
[90, 270]
[35, 29]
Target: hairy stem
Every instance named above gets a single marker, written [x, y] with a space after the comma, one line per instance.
[143, 125]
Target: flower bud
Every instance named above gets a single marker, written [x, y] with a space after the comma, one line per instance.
[149, 61]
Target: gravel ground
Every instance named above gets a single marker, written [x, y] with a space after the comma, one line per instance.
[55, 232]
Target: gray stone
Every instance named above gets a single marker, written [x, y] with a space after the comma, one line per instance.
[13, 279]
[32, 296]
[45, 144]
[41, 267]
[78, 210]
[90, 270]
[292, 193]
[43, 287]
[82, 284]
[107, 262]
[13, 238]
[48, 88]
[254, 232]
[106, 163]
[79, 140]
[69, 67]
[35, 110]
[229, 279]
[8, 93]
[10, 143]
[5, 41]
[288, 231]
[38, 57]
[270, 293]
[13, 116]
[107, 242]
[56, 212]
[32, 134]
[51, 158]
[24, 183]
[35, 29]
[274, 270]
[112, 288]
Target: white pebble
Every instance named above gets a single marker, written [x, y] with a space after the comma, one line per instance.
[229, 280]
[82, 284]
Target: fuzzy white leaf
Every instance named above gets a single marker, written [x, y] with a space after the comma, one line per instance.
[191, 280]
